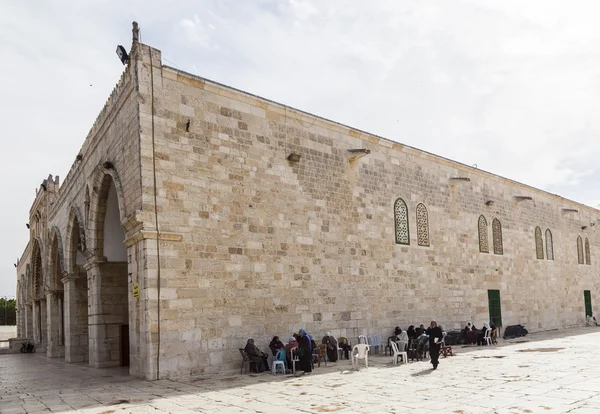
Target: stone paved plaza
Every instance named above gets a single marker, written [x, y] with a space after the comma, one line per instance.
[545, 372]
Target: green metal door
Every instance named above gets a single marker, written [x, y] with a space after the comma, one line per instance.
[587, 296]
[494, 307]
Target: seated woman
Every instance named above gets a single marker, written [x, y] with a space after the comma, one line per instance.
[412, 333]
[402, 336]
[397, 331]
[256, 355]
[293, 343]
[343, 343]
[275, 345]
[481, 334]
[332, 352]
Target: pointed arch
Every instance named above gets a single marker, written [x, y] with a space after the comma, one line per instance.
[549, 245]
[539, 244]
[588, 259]
[38, 274]
[579, 250]
[422, 225]
[56, 260]
[401, 227]
[484, 246]
[76, 240]
[497, 236]
[104, 178]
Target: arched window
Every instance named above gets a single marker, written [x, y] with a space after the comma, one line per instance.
[579, 250]
[401, 222]
[484, 246]
[549, 245]
[422, 225]
[497, 236]
[588, 259]
[539, 244]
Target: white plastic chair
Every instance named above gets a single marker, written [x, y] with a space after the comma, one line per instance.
[444, 338]
[372, 342]
[488, 336]
[294, 358]
[337, 346]
[397, 353]
[381, 342]
[360, 351]
[362, 339]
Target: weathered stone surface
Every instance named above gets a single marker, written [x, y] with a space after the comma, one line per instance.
[251, 244]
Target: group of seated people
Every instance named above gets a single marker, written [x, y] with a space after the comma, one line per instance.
[416, 339]
[305, 347]
[472, 335]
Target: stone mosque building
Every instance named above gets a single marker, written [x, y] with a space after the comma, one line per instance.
[196, 215]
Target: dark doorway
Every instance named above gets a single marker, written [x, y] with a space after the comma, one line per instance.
[587, 297]
[124, 345]
[494, 307]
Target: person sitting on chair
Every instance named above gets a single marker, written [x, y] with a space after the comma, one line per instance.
[343, 343]
[332, 352]
[275, 345]
[256, 355]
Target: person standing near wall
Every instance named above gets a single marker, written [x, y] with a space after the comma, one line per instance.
[435, 343]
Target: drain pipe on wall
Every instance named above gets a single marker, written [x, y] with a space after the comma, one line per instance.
[155, 219]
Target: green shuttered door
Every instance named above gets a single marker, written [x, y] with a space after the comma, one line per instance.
[494, 306]
[588, 302]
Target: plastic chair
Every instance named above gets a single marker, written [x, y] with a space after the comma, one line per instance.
[362, 352]
[322, 355]
[398, 349]
[295, 358]
[390, 338]
[487, 337]
[362, 339]
[246, 363]
[380, 342]
[279, 361]
[342, 340]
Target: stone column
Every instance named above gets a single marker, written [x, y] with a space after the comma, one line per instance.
[76, 318]
[108, 310]
[52, 322]
[36, 323]
[28, 321]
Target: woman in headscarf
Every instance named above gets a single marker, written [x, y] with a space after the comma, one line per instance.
[293, 343]
[397, 331]
[402, 336]
[481, 336]
[332, 352]
[256, 355]
[412, 334]
[305, 352]
[275, 345]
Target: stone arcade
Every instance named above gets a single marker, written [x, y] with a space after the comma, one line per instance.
[230, 215]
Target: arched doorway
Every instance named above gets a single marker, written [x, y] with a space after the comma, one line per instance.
[76, 294]
[56, 298]
[38, 299]
[109, 310]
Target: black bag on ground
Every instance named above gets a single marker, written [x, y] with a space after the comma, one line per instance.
[514, 331]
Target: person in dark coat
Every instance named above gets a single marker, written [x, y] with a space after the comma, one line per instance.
[332, 352]
[412, 333]
[275, 345]
[435, 343]
[306, 352]
[255, 355]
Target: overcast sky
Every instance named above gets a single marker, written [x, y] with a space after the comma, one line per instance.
[512, 86]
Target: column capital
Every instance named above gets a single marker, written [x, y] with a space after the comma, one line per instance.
[94, 262]
[69, 277]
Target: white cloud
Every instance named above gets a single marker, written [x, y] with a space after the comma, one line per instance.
[508, 85]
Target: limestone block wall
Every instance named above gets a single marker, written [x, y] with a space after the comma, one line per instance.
[269, 246]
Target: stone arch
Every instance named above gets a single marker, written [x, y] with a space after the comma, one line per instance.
[37, 269]
[76, 240]
[103, 179]
[56, 259]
